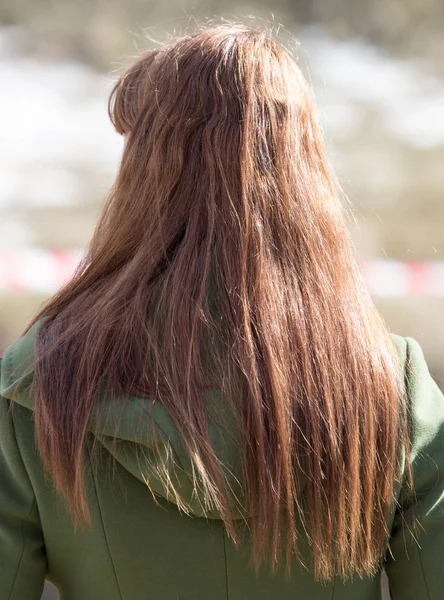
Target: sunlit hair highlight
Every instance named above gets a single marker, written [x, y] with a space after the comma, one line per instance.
[222, 258]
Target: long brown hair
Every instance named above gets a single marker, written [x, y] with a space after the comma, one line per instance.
[222, 257]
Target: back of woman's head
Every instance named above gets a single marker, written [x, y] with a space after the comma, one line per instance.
[222, 258]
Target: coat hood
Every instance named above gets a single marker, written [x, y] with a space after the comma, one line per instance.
[122, 425]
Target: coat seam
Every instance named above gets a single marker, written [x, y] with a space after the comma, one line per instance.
[104, 531]
[23, 550]
[423, 574]
[226, 562]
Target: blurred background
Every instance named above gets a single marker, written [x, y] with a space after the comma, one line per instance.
[377, 67]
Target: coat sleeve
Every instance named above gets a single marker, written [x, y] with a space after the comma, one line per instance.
[22, 552]
[415, 565]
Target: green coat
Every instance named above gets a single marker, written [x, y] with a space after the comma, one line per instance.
[139, 550]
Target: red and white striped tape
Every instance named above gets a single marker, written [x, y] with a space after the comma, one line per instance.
[404, 278]
[35, 269]
[45, 271]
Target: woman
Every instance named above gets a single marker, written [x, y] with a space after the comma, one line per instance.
[212, 407]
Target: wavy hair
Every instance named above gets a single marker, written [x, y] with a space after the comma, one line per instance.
[222, 258]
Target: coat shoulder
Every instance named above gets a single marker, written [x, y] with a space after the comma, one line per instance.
[16, 365]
